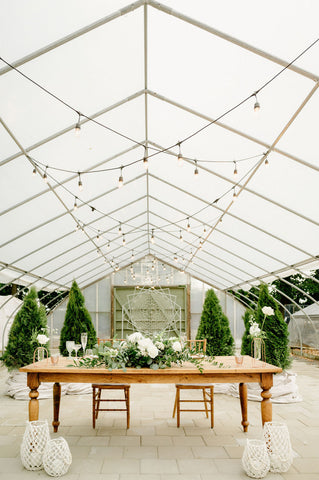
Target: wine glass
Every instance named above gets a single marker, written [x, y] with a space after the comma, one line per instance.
[84, 339]
[70, 346]
[77, 347]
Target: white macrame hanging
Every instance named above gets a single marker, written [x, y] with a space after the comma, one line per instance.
[57, 457]
[255, 459]
[277, 439]
[33, 444]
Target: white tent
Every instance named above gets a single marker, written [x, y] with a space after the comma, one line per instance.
[147, 83]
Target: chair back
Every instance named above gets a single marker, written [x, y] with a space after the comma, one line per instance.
[197, 346]
[110, 340]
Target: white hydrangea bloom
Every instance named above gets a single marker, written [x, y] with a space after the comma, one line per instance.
[267, 311]
[152, 350]
[43, 339]
[177, 347]
[255, 330]
[135, 337]
[160, 345]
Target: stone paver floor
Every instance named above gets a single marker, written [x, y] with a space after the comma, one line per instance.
[153, 448]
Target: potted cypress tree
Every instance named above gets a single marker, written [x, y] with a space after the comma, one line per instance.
[214, 326]
[29, 322]
[77, 320]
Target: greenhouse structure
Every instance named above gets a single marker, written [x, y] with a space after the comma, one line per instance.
[123, 146]
[152, 151]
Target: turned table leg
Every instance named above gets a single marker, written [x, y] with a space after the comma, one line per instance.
[33, 384]
[266, 405]
[56, 406]
[243, 405]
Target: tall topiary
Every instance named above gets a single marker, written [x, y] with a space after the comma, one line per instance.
[77, 320]
[246, 339]
[276, 331]
[29, 322]
[214, 326]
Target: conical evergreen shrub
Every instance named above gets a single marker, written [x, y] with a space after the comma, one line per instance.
[27, 324]
[77, 320]
[275, 328]
[214, 326]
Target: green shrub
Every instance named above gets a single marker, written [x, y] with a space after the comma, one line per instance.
[27, 324]
[214, 326]
[77, 320]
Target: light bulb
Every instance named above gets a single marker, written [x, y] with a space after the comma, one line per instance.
[267, 162]
[196, 170]
[257, 105]
[145, 163]
[235, 169]
[123, 241]
[75, 206]
[132, 255]
[108, 246]
[188, 225]
[120, 228]
[175, 258]
[234, 195]
[180, 236]
[120, 185]
[98, 238]
[179, 157]
[45, 177]
[78, 126]
[152, 237]
[34, 172]
[80, 184]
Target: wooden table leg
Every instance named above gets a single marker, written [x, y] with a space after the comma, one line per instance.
[56, 405]
[266, 405]
[243, 405]
[33, 384]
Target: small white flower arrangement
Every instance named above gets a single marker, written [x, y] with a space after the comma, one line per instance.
[255, 331]
[42, 339]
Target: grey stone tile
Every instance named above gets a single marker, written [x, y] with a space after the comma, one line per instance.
[163, 466]
[126, 465]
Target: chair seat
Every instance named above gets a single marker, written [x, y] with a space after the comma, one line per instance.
[97, 399]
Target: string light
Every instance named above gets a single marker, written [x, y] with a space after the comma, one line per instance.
[121, 179]
[117, 267]
[179, 157]
[152, 236]
[132, 257]
[92, 209]
[145, 159]
[98, 236]
[123, 240]
[175, 258]
[188, 228]
[200, 243]
[45, 177]
[234, 194]
[235, 168]
[196, 170]
[257, 105]
[266, 161]
[120, 228]
[108, 245]
[75, 206]
[78, 126]
[180, 236]
[80, 184]
[34, 172]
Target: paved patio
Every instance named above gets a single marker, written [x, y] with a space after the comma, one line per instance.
[153, 448]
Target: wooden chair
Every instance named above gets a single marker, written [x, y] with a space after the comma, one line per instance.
[198, 347]
[97, 395]
[96, 399]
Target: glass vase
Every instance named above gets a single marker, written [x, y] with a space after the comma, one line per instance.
[258, 349]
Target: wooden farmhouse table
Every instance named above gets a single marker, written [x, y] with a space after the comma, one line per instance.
[251, 371]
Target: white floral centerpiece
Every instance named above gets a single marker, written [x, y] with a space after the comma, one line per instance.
[138, 351]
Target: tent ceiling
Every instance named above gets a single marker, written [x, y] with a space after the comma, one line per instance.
[145, 77]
